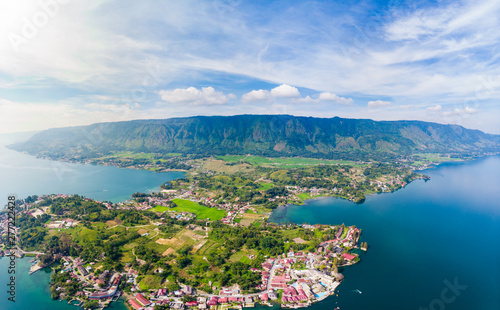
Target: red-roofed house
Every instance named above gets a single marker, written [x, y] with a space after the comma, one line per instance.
[348, 256]
[142, 300]
[134, 304]
[222, 300]
[191, 303]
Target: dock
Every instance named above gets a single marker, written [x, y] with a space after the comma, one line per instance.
[35, 268]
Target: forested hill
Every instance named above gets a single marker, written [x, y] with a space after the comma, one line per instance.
[268, 135]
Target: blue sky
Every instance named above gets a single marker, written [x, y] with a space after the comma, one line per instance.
[66, 63]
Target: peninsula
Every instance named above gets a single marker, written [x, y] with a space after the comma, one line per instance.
[177, 259]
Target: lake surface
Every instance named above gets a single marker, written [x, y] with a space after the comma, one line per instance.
[23, 175]
[422, 239]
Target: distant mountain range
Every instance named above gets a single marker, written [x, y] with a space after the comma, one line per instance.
[267, 135]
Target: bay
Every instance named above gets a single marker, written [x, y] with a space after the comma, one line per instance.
[22, 175]
[423, 239]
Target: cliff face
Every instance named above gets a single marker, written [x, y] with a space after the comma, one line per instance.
[270, 135]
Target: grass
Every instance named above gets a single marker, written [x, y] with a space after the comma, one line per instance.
[265, 186]
[201, 212]
[304, 196]
[150, 282]
[292, 234]
[209, 245]
[437, 158]
[246, 222]
[262, 210]
[238, 256]
[159, 209]
[257, 224]
[87, 235]
[282, 161]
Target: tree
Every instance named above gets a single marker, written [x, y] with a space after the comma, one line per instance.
[90, 304]
[172, 286]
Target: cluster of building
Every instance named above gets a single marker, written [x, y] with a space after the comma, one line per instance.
[103, 287]
[66, 223]
[296, 279]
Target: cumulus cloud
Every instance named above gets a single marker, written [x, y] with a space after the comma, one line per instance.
[327, 96]
[306, 99]
[435, 108]
[194, 96]
[285, 91]
[458, 111]
[256, 95]
[378, 103]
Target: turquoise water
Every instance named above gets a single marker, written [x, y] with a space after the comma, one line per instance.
[22, 175]
[32, 291]
[420, 238]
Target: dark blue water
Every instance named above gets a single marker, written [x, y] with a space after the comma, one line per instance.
[428, 234]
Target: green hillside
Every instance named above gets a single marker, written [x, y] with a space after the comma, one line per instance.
[265, 135]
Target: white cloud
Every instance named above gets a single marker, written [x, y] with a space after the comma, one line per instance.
[461, 111]
[406, 106]
[327, 96]
[378, 103]
[18, 117]
[306, 99]
[256, 95]
[193, 96]
[285, 91]
[435, 108]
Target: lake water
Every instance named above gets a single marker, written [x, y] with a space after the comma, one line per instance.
[24, 175]
[421, 239]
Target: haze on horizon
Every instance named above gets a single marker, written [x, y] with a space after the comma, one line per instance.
[67, 63]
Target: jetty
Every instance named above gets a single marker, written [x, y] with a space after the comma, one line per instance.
[34, 268]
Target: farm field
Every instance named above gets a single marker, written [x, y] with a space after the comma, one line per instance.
[282, 161]
[159, 209]
[201, 212]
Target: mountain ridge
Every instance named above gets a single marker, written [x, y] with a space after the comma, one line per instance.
[267, 135]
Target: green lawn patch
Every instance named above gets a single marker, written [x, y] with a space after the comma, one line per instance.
[265, 186]
[159, 209]
[201, 212]
[283, 161]
[257, 224]
[246, 260]
[304, 196]
[238, 256]
[292, 234]
[150, 282]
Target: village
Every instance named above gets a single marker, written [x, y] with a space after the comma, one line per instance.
[293, 279]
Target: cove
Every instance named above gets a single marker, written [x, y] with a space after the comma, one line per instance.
[23, 175]
[422, 239]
